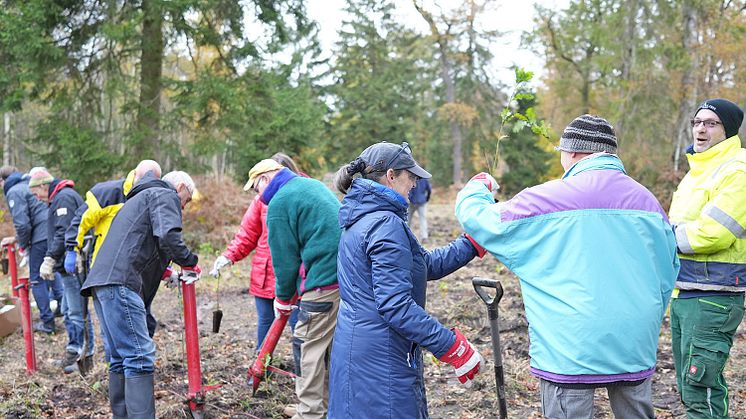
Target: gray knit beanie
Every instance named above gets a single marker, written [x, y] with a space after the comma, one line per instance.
[588, 134]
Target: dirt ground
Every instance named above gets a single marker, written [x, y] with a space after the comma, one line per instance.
[227, 355]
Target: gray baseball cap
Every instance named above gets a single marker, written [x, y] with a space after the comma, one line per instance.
[383, 156]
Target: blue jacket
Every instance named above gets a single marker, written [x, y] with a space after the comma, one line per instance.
[596, 258]
[420, 194]
[28, 213]
[376, 361]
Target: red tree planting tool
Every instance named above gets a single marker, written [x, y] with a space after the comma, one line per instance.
[10, 249]
[196, 395]
[261, 365]
[28, 333]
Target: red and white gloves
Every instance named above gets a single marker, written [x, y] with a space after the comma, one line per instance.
[283, 308]
[464, 358]
[487, 180]
[189, 275]
[170, 277]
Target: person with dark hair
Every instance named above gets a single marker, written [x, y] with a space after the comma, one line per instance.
[30, 221]
[63, 201]
[418, 199]
[382, 325]
[595, 253]
[302, 232]
[286, 161]
[708, 212]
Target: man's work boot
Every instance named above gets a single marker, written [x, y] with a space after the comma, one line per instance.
[290, 410]
[116, 396]
[139, 397]
[69, 359]
[48, 328]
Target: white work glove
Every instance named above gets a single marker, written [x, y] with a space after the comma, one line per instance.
[190, 274]
[220, 263]
[7, 240]
[79, 263]
[283, 308]
[24, 257]
[170, 277]
[46, 270]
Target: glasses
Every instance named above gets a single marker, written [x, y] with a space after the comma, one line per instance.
[256, 183]
[708, 123]
[404, 147]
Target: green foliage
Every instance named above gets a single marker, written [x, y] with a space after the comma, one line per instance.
[526, 159]
[75, 153]
[378, 82]
[530, 162]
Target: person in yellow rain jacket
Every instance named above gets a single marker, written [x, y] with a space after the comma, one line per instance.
[708, 212]
[102, 202]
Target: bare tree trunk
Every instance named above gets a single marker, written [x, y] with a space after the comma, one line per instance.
[628, 61]
[6, 139]
[151, 70]
[446, 73]
[689, 84]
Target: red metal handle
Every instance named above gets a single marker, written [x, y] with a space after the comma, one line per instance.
[28, 333]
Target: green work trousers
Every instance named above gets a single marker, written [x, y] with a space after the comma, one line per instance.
[702, 332]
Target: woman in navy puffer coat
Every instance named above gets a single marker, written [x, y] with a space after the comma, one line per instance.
[376, 360]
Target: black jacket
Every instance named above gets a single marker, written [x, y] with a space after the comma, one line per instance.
[144, 237]
[63, 202]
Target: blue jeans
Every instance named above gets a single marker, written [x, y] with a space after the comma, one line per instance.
[41, 288]
[72, 307]
[121, 312]
[265, 313]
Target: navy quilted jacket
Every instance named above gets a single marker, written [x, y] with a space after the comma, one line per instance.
[376, 362]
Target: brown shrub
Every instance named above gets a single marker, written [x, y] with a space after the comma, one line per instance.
[211, 221]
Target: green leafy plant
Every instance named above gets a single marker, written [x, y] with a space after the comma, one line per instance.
[519, 120]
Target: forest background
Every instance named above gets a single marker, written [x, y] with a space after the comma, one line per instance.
[90, 87]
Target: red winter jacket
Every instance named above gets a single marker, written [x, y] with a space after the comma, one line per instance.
[251, 236]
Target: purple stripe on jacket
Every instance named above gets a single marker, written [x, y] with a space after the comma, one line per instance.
[592, 379]
[593, 189]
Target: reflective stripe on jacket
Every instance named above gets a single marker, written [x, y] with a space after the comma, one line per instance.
[709, 212]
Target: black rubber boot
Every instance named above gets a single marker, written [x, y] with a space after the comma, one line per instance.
[116, 396]
[139, 397]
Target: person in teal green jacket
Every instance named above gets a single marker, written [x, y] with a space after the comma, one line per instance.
[303, 231]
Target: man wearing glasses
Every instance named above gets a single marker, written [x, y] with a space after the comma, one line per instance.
[708, 213]
[303, 230]
[144, 237]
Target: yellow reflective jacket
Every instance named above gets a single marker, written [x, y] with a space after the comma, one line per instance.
[103, 201]
[708, 211]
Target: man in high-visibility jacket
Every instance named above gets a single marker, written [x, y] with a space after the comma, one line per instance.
[708, 213]
[102, 203]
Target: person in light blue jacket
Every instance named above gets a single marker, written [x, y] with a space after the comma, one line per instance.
[596, 258]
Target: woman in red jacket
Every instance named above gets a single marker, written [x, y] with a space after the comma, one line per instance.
[252, 236]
